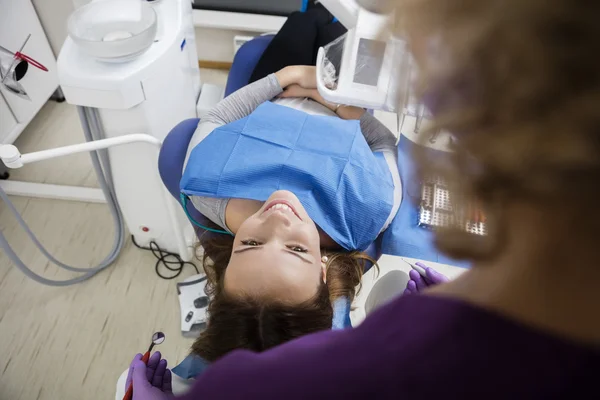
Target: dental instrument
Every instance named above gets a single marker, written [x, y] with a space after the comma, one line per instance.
[20, 56]
[437, 210]
[157, 338]
[9, 77]
[27, 72]
[418, 266]
[406, 237]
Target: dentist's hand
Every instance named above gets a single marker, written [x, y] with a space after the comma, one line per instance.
[152, 382]
[417, 283]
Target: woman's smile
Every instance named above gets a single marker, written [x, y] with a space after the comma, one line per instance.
[282, 206]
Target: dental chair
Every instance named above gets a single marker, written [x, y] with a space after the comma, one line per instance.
[175, 146]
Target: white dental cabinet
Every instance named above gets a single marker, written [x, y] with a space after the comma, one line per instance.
[18, 19]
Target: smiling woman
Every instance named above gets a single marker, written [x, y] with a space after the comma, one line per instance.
[279, 234]
[272, 282]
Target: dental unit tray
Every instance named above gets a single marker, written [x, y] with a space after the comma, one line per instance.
[437, 211]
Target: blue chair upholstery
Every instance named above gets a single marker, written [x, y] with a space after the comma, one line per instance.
[244, 63]
[174, 148]
[171, 159]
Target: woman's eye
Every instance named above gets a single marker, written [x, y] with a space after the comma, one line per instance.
[298, 249]
[250, 242]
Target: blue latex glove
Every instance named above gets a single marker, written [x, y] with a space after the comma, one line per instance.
[151, 382]
[417, 283]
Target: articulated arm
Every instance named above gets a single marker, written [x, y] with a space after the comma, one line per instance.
[12, 158]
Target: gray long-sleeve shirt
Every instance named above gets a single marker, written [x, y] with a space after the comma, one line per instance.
[244, 101]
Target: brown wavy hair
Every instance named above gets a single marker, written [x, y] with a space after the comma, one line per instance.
[256, 324]
[518, 85]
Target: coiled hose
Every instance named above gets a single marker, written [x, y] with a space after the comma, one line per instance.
[92, 130]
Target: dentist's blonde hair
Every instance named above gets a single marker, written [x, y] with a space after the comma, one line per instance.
[518, 84]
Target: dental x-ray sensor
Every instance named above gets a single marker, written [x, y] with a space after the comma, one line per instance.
[369, 66]
[148, 91]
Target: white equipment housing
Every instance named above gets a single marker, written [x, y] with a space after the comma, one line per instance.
[193, 304]
[148, 94]
[374, 68]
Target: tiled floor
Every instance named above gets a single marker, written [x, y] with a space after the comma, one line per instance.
[73, 342]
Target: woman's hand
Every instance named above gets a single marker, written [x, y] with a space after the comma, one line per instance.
[301, 81]
[296, 90]
[417, 283]
[304, 76]
[151, 382]
[344, 112]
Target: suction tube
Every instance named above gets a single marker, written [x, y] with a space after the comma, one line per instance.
[92, 130]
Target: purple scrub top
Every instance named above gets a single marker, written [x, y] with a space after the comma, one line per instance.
[416, 347]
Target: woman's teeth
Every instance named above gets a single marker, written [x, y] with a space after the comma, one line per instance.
[280, 206]
[284, 208]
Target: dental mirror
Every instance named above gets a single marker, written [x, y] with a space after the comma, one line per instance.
[157, 338]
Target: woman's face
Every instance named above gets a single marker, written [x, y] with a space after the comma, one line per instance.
[276, 253]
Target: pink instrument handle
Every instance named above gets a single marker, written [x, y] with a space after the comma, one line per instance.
[30, 60]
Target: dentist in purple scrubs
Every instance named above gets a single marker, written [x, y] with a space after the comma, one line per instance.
[517, 84]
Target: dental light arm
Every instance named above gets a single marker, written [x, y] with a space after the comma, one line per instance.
[12, 158]
[368, 67]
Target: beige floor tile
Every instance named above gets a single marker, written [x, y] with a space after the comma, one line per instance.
[71, 342]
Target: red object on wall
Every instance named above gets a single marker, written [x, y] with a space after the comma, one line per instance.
[30, 60]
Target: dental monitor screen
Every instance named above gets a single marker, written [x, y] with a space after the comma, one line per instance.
[368, 61]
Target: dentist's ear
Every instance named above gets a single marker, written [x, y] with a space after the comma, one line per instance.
[324, 260]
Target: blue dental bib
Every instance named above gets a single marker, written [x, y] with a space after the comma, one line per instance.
[325, 161]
